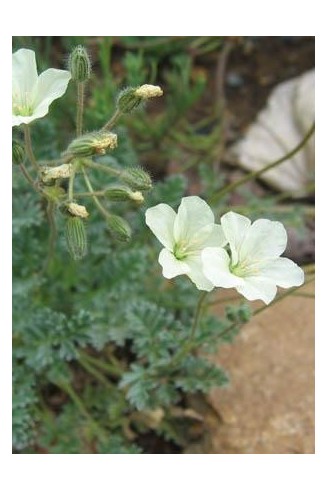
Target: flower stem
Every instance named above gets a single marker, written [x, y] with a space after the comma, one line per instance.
[99, 166]
[52, 235]
[112, 370]
[253, 175]
[79, 108]
[91, 190]
[29, 149]
[71, 184]
[117, 114]
[188, 346]
[28, 177]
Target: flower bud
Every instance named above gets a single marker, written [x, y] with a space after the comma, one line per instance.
[148, 91]
[127, 100]
[76, 237]
[77, 210]
[92, 144]
[18, 153]
[52, 173]
[120, 193]
[119, 228]
[79, 64]
[136, 178]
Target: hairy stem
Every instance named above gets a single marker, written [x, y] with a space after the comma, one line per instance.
[28, 147]
[253, 175]
[189, 345]
[113, 120]
[99, 166]
[28, 177]
[79, 108]
[95, 198]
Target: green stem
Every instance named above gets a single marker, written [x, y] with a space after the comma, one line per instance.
[52, 235]
[95, 373]
[69, 390]
[90, 194]
[117, 114]
[96, 200]
[105, 366]
[79, 108]
[99, 166]
[188, 346]
[28, 177]
[28, 147]
[253, 175]
[71, 184]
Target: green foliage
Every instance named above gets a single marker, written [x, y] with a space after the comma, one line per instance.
[24, 407]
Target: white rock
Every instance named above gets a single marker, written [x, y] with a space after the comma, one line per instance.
[279, 127]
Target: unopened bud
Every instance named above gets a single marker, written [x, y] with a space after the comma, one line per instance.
[131, 97]
[136, 178]
[95, 143]
[119, 228]
[18, 153]
[127, 100]
[52, 173]
[148, 91]
[120, 193]
[79, 64]
[76, 237]
[77, 210]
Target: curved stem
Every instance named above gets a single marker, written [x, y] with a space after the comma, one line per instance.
[28, 147]
[117, 114]
[189, 345]
[253, 175]
[28, 177]
[96, 200]
[99, 166]
[79, 108]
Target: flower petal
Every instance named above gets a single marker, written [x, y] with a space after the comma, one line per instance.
[196, 273]
[160, 220]
[24, 72]
[18, 120]
[265, 239]
[172, 267]
[51, 85]
[283, 272]
[216, 263]
[194, 223]
[216, 238]
[257, 288]
[235, 227]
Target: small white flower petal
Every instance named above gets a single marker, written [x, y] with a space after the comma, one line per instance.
[216, 238]
[51, 85]
[194, 221]
[235, 227]
[283, 272]
[18, 120]
[216, 262]
[172, 267]
[257, 288]
[196, 273]
[160, 220]
[265, 239]
[24, 72]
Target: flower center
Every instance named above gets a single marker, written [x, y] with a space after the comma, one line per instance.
[22, 105]
[180, 250]
[242, 269]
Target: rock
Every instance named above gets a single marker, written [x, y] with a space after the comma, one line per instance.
[279, 127]
[269, 406]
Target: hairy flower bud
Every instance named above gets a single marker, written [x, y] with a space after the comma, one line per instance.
[148, 91]
[18, 153]
[136, 178]
[131, 97]
[120, 193]
[95, 143]
[119, 228]
[77, 210]
[76, 237]
[49, 174]
[79, 64]
[127, 100]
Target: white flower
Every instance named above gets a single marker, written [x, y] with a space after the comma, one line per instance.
[33, 94]
[254, 266]
[184, 235]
